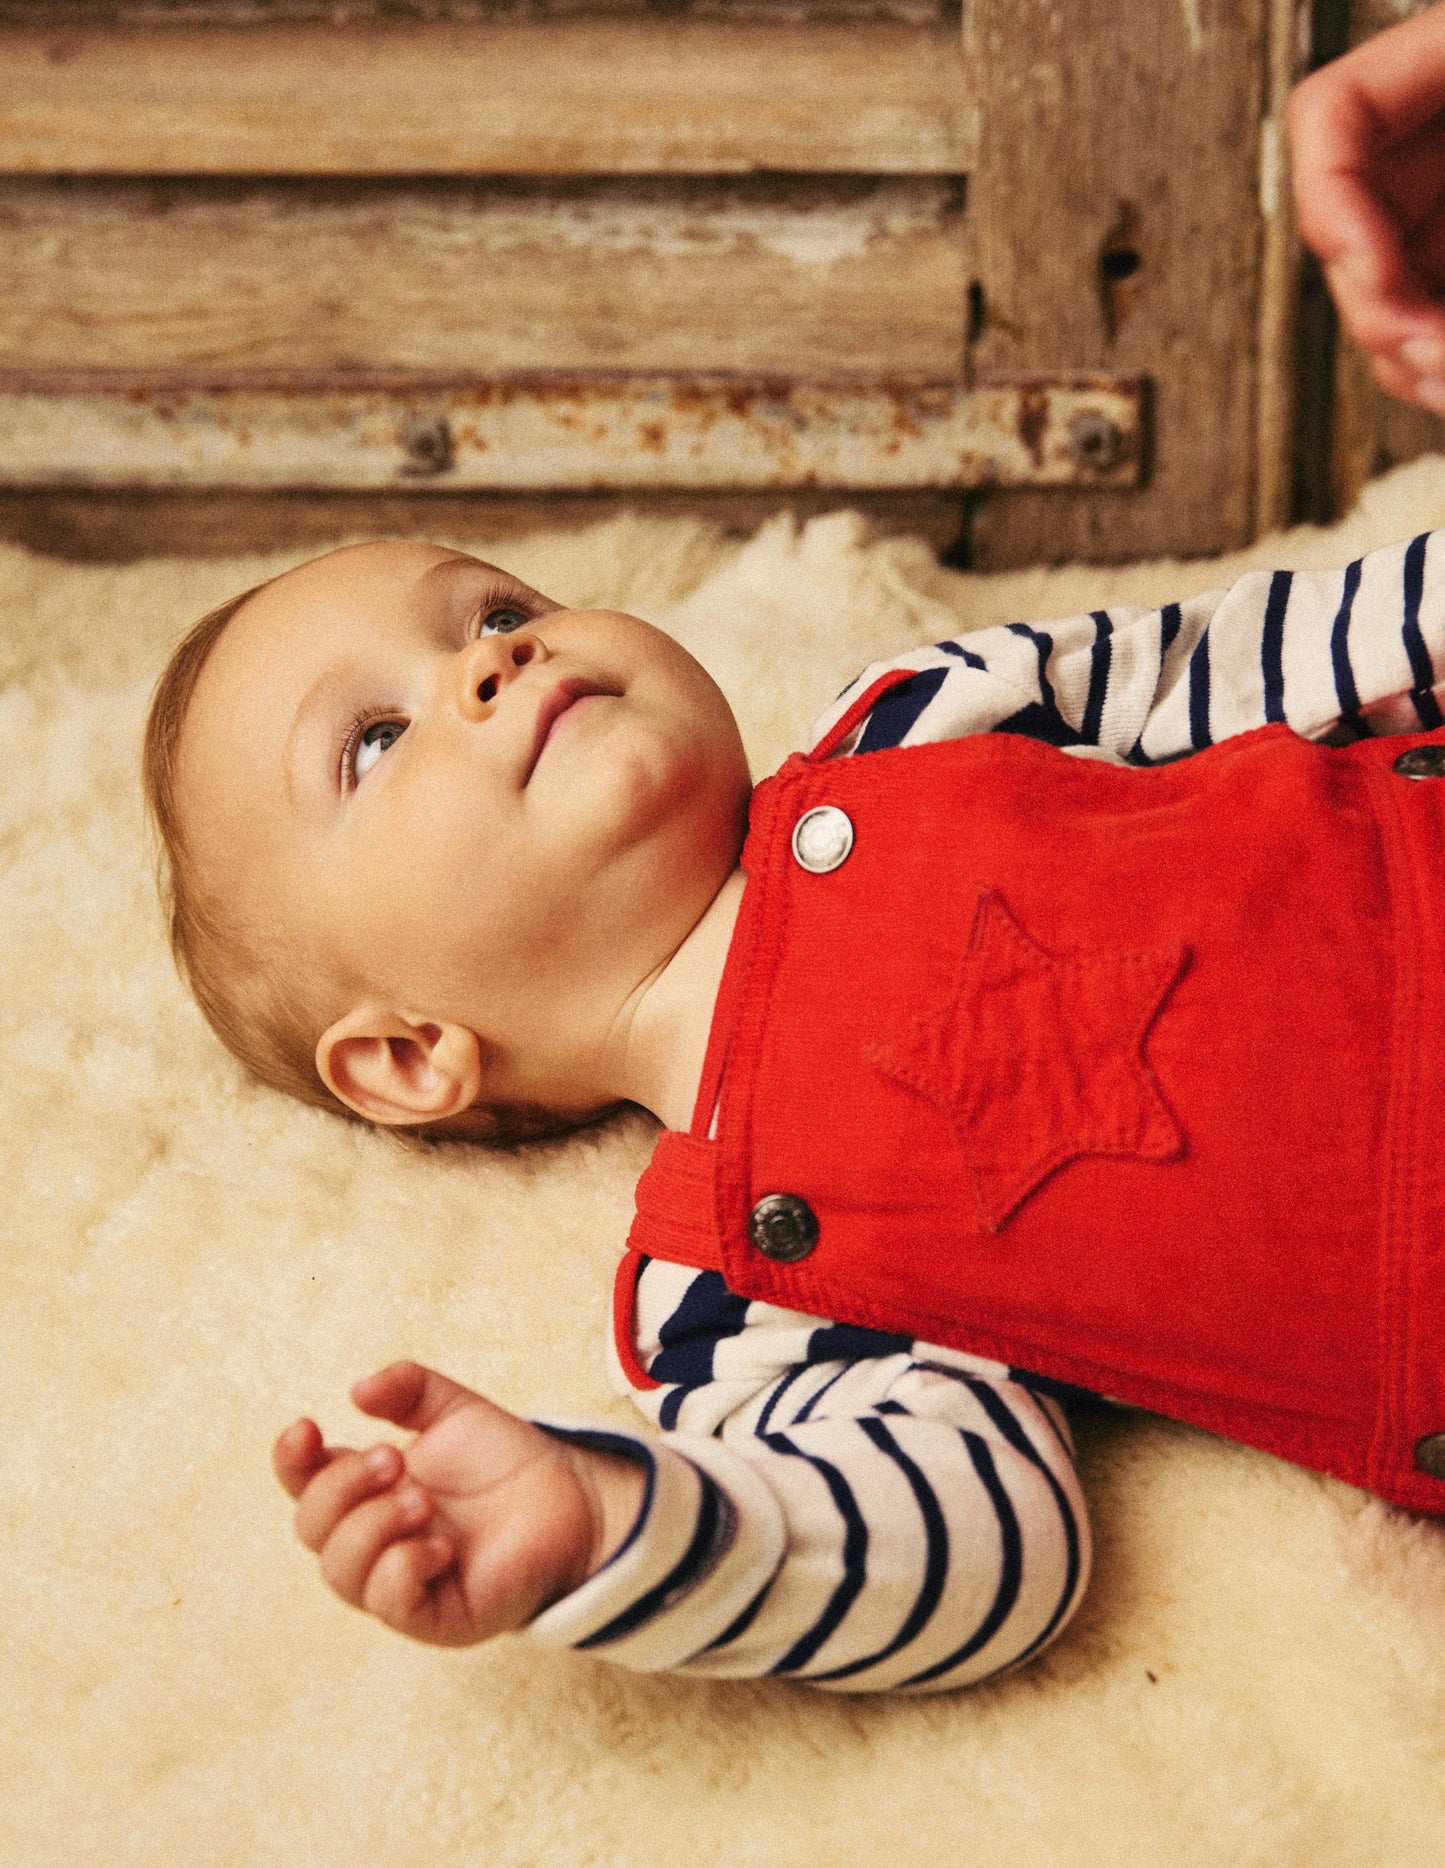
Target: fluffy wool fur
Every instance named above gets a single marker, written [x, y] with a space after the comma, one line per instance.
[1258, 1676]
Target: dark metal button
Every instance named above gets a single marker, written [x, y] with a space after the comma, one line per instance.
[822, 839]
[1421, 762]
[783, 1227]
[1430, 1455]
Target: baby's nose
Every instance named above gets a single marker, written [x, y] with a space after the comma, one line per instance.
[486, 666]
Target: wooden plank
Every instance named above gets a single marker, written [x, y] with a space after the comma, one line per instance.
[590, 433]
[120, 527]
[1288, 52]
[179, 281]
[428, 12]
[1115, 210]
[514, 96]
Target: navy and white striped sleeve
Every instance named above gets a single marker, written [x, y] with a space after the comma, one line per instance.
[1359, 649]
[832, 1505]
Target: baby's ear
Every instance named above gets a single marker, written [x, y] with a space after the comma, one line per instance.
[396, 1069]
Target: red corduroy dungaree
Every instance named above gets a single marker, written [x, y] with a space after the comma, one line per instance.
[1130, 1078]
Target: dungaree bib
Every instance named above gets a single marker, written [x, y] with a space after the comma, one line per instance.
[1133, 1079]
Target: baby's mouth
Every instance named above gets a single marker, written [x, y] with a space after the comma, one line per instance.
[555, 702]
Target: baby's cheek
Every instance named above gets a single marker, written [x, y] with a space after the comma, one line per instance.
[699, 787]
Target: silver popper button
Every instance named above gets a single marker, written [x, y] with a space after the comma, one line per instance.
[1430, 1455]
[1422, 762]
[783, 1227]
[822, 839]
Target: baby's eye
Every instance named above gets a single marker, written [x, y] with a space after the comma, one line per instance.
[502, 619]
[370, 744]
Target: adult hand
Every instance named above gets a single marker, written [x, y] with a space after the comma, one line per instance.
[1367, 140]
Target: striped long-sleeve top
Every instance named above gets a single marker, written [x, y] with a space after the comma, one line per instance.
[865, 1511]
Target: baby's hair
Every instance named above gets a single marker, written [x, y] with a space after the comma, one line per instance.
[267, 1031]
[263, 1012]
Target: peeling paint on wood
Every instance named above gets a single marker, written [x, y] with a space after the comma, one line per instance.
[1287, 47]
[427, 12]
[801, 275]
[580, 434]
[1114, 215]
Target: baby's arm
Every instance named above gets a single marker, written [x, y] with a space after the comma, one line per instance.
[831, 1505]
[926, 1542]
[480, 1522]
[1361, 647]
[866, 1524]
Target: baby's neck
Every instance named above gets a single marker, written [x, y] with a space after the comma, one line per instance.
[669, 1031]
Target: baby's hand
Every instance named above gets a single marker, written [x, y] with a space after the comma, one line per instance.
[469, 1531]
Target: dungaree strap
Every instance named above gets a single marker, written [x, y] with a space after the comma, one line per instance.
[676, 1216]
[675, 1220]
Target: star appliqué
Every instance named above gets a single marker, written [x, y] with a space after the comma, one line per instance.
[1037, 1058]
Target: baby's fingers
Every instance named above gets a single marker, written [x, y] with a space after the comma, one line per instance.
[298, 1455]
[344, 1481]
[396, 1591]
[410, 1395]
[351, 1553]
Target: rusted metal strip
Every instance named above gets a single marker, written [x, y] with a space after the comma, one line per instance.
[583, 433]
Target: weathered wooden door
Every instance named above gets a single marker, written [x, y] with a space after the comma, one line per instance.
[1029, 261]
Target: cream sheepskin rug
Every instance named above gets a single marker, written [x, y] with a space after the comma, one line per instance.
[1257, 1677]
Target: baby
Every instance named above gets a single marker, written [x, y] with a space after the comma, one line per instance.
[988, 1072]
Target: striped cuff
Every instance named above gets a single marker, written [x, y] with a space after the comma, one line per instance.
[709, 1536]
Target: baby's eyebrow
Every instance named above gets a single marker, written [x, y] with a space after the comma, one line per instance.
[445, 572]
[448, 570]
[294, 773]
[339, 679]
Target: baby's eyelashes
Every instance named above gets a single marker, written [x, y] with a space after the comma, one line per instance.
[365, 744]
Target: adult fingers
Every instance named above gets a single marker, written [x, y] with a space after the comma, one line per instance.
[1425, 250]
[1423, 386]
[1394, 376]
[1384, 89]
[1402, 329]
[1366, 177]
[1378, 291]
[1382, 298]
[1336, 208]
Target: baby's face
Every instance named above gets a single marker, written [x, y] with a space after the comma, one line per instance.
[465, 801]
